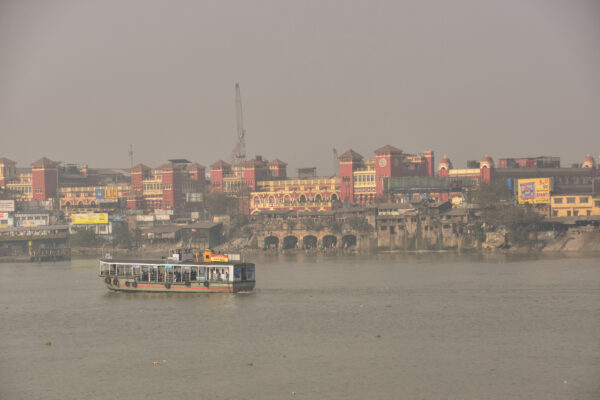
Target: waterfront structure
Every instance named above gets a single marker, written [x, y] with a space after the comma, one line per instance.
[35, 242]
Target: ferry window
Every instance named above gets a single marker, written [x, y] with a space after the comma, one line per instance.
[597, 203]
[588, 212]
[583, 199]
[250, 273]
[575, 213]
[558, 200]
[570, 200]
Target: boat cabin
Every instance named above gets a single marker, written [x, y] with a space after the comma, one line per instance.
[173, 273]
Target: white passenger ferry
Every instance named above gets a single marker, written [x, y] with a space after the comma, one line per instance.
[186, 271]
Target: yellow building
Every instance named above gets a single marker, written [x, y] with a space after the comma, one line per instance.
[306, 194]
[91, 196]
[574, 205]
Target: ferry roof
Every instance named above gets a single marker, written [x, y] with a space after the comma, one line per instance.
[171, 262]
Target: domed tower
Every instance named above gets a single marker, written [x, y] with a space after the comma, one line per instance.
[444, 166]
[487, 169]
[486, 162]
[589, 162]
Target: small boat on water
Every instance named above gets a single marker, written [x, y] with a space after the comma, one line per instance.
[186, 271]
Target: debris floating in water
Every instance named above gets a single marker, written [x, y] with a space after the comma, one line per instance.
[155, 363]
[48, 343]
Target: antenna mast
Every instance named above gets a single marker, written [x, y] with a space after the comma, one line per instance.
[239, 151]
[131, 155]
[336, 162]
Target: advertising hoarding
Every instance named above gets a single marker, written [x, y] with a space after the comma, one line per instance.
[534, 191]
[89, 219]
[4, 221]
[7, 205]
[108, 193]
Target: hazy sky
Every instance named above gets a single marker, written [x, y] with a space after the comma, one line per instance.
[81, 80]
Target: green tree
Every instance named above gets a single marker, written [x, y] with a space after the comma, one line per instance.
[121, 236]
[86, 238]
[221, 204]
[490, 194]
[521, 223]
[360, 224]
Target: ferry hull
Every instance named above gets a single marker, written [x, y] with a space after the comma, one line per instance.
[128, 285]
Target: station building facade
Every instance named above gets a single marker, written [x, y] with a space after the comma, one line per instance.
[264, 186]
[365, 181]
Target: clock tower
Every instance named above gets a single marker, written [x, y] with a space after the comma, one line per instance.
[388, 164]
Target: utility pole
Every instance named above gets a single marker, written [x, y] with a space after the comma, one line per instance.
[335, 162]
[131, 155]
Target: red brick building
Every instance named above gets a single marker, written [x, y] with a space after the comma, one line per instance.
[363, 181]
[44, 179]
[166, 187]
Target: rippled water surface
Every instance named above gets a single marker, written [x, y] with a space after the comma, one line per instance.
[405, 327]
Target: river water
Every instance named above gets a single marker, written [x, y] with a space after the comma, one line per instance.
[390, 327]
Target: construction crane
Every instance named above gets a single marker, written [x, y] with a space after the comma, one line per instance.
[239, 151]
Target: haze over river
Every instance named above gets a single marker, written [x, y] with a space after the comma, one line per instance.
[393, 327]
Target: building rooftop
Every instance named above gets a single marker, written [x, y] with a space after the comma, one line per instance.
[387, 149]
[350, 155]
[220, 165]
[140, 168]
[44, 163]
[277, 162]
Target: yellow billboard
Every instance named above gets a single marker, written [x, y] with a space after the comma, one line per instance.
[534, 191]
[111, 193]
[89, 218]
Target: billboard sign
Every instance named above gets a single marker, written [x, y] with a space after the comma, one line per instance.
[7, 205]
[534, 191]
[108, 193]
[111, 193]
[4, 220]
[89, 219]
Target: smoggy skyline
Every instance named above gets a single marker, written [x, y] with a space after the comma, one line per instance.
[81, 80]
